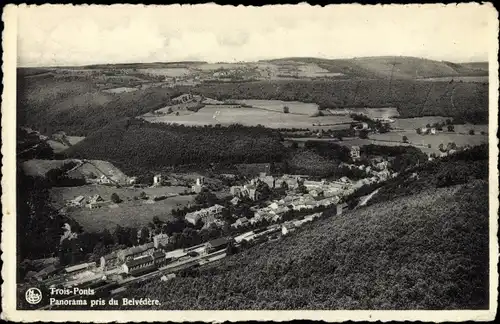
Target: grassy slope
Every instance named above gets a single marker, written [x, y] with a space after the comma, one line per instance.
[405, 67]
[428, 251]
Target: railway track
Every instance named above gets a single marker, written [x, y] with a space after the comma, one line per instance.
[168, 269]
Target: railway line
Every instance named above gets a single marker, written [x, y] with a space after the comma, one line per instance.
[173, 267]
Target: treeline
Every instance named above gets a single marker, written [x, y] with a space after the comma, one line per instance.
[467, 100]
[39, 225]
[137, 146]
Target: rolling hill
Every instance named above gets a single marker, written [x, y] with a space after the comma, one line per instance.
[399, 67]
[77, 100]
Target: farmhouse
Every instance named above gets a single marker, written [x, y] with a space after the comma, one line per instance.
[77, 202]
[96, 201]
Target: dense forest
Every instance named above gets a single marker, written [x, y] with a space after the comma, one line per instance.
[461, 100]
[52, 103]
[138, 147]
[427, 251]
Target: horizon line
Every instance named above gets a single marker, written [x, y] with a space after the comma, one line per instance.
[242, 61]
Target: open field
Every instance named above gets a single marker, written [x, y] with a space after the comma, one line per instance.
[166, 72]
[120, 90]
[395, 138]
[128, 213]
[249, 117]
[87, 169]
[295, 107]
[59, 147]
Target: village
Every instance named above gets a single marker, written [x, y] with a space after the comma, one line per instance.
[301, 201]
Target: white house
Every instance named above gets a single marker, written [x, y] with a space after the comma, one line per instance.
[287, 228]
[157, 180]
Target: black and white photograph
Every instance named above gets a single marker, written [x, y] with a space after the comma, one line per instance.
[302, 162]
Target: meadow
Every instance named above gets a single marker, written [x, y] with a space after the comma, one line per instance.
[229, 114]
[130, 212]
[295, 107]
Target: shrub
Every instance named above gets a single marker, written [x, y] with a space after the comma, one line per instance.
[471, 132]
[115, 198]
[405, 139]
[286, 110]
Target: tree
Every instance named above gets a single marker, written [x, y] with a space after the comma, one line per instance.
[448, 122]
[177, 113]
[429, 145]
[339, 137]
[451, 128]
[419, 131]
[363, 134]
[302, 189]
[471, 132]
[428, 126]
[284, 185]
[170, 110]
[441, 147]
[405, 139]
[115, 198]
[286, 110]
[294, 145]
[206, 198]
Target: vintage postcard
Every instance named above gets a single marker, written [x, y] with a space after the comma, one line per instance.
[220, 163]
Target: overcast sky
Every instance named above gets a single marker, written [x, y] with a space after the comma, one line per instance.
[79, 35]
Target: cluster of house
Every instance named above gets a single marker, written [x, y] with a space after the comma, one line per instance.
[274, 212]
[250, 190]
[128, 258]
[208, 216]
[95, 201]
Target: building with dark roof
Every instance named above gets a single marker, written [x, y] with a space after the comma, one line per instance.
[217, 244]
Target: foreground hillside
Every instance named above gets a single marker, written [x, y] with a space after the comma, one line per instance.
[138, 147]
[427, 251]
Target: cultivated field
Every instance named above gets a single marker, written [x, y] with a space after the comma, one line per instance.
[130, 212]
[247, 116]
[166, 72]
[295, 107]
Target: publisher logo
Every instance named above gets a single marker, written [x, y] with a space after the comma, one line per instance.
[33, 296]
